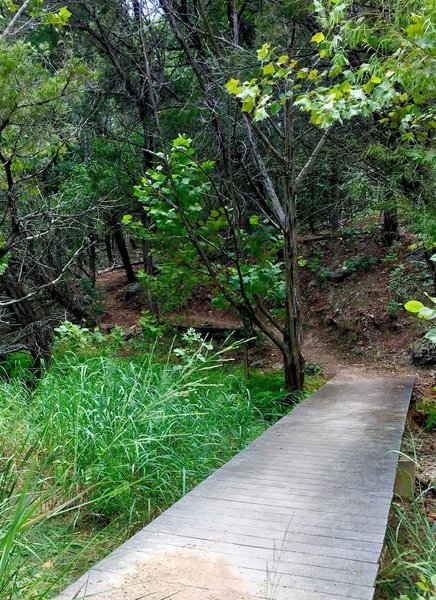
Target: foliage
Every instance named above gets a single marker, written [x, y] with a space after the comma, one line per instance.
[176, 195]
[151, 329]
[424, 312]
[427, 408]
[412, 549]
[399, 81]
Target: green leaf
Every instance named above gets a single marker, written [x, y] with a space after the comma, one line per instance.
[413, 306]
[283, 59]
[318, 37]
[126, 219]
[433, 258]
[233, 86]
[427, 313]
[260, 114]
[264, 53]
[275, 108]
[269, 69]
[254, 220]
[248, 105]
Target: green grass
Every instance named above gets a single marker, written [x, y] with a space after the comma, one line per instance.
[103, 444]
[410, 562]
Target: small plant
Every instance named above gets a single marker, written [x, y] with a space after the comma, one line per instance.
[396, 282]
[392, 255]
[411, 544]
[151, 329]
[424, 312]
[392, 309]
[363, 263]
[73, 334]
[428, 410]
[425, 590]
[196, 349]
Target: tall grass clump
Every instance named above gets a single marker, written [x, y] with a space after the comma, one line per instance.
[103, 442]
[410, 573]
[153, 426]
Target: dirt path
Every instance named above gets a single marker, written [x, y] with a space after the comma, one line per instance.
[319, 345]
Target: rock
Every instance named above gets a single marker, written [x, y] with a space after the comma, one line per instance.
[339, 275]
[424, 353]
[132, 290]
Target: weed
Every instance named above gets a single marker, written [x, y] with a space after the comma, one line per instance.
[363, 263]
[428, 409]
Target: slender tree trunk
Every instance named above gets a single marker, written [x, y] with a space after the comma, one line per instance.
[293, 360]
[334, 194]
[92, 260]
[122, 249]
[390, 226]
[108, 244]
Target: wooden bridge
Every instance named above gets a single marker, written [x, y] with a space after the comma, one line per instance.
[300, 514]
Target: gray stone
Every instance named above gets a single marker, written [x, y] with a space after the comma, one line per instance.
[132, 290]
[338, 275]
[424, 353]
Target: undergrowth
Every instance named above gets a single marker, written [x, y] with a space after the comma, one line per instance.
[104, 443]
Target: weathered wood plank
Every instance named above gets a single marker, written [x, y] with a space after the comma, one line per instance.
[298, 515]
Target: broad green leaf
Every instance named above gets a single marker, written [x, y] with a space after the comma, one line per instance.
[427, 313]
[275, 108]
[233, 86]
[254, 220]
[318, 37]
[264, 53]
[413, 306]
[283, 59]
[269, 69]
[248, 105]
[260, 114]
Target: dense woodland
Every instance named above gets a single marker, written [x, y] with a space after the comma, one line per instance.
[253, 155]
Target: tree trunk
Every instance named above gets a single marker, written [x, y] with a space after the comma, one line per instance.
[122, 249]
[92, 260]
[390, 226]
[334, 193]
[293, 360]
[108, 244]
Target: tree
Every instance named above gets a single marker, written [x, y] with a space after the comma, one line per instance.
[35, 126]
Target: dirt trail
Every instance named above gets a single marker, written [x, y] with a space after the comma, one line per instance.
[319, 346]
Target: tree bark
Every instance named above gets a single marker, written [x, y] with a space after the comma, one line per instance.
[293, 360]
[390, 226]
[108, 244]
[122, 249]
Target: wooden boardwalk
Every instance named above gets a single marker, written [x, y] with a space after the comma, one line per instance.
[300, 514]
